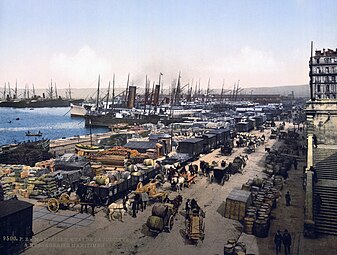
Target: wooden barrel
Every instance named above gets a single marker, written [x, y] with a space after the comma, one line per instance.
[148, 162]
[231, 241]
[228, 249]
[261, 228]
[242, 245]
[155, 223]
[159, 210]
[238, 249]
[102, 180]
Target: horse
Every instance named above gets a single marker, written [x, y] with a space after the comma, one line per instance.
[179, 181]
[112, 208]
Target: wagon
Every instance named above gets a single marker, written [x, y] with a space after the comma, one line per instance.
[221, 175]
[162, 217]
[195, 226]
[62, 202]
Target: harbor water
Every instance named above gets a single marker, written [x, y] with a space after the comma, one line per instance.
[53, 123]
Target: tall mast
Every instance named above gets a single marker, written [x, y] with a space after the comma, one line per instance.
[151, 98]
[113, 92]
[51, 89]
[69, 91]
[28, 91]
[222, 89]
[33, 90]
[107, 98]
[127, 89]
[16, 88]
[97, 99]
[9, 90]
[146, 94]
[56, 96]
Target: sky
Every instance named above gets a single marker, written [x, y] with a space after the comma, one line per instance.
[259, 42]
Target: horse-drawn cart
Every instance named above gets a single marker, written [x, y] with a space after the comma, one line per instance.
[62, 202]
[221, 174]
[195, 226]
[163, 216]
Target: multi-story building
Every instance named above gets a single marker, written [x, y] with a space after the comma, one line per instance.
[323, 74]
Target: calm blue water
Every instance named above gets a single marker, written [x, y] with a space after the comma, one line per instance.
[54, 123]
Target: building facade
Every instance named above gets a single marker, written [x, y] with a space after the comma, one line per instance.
[323, 74]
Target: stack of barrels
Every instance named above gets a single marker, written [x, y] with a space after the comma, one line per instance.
[264, 194]
[234, 248]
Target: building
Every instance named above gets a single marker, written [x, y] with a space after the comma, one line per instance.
[321, 119]
[323, 74]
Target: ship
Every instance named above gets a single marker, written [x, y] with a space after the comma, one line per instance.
[39, 103]
[35, 101]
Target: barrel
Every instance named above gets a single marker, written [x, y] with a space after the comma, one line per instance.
[102, 180]
[155, 223]
[238, 249]
[248, 225]
[228, 249]
[159, 210]
[148, 162]
[261, 228]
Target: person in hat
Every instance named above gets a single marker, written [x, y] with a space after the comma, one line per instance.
[286, 238]
[278, 241]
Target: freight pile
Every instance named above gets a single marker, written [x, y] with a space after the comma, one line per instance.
[264, 195]
[277, 163]
[232, 247]
[20, 179]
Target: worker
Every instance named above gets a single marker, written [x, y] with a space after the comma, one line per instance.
[278, 241]
[288, 199]
[134, 208]
[187, 208]
[286, 241]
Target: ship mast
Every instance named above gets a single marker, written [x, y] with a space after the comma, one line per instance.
[127, 89]
[107, 97]
[97, 99]
[113, 92]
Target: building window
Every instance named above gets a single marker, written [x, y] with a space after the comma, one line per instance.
[327, 70]
[317, 60]
[327, 88]
[318, 70]
[318, 88]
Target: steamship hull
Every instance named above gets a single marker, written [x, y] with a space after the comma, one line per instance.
[109, 120]
[39, 103]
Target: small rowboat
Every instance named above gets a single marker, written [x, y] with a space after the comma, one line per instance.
[28, 133]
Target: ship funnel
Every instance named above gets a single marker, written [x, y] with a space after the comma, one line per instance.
[131, 97]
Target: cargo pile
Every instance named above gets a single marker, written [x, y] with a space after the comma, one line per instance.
[21, 179]
[232, 247]
[264, 194]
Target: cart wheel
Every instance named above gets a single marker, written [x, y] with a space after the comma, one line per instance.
[170, 224]
[53, 205]
[64, 201]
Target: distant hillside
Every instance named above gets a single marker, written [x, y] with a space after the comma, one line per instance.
[299, 90]
[87, 93]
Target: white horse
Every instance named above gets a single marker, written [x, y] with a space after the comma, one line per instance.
[114, 207]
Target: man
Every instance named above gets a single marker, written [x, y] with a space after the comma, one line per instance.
[288, 199]
[59, 178]
[278, 241]
[134, 208]
[286, 241]
[125, 199]
[145, 199]
[295, 164]
[187, 208]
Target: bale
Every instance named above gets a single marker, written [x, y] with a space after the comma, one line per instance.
[159, 210]
[155, 223]
[148, 162]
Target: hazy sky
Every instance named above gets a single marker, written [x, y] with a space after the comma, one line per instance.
[260, 43]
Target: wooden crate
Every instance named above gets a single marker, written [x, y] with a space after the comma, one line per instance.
[237, 203]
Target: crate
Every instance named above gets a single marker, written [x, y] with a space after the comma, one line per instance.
[237, 203]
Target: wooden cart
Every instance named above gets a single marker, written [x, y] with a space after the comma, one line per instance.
[62, 202]
[195, 226]
[221, 174]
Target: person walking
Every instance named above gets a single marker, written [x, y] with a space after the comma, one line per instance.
[288, 199]
[145, 199]
[125, 199]
[278, 241]
[295, 163]
[187, 208]
[134, 208]
[286, 241]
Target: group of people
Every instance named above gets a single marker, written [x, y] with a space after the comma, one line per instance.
[285, 239]
[139, 203]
